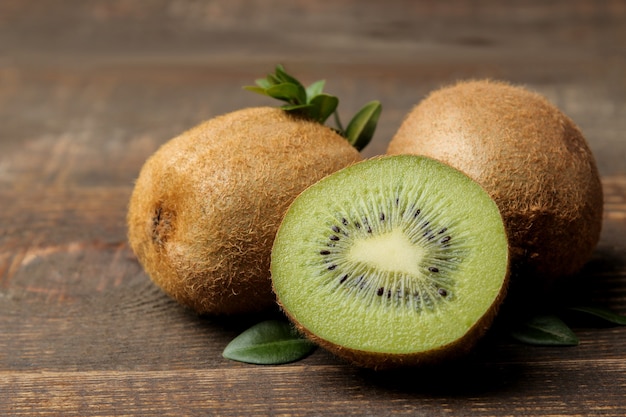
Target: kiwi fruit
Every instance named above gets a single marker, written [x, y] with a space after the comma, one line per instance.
[533, 161]
[391, 262]
[206, 206]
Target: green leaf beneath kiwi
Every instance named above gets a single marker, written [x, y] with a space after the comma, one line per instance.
[270, 342]
[602, 313]
[550, 330]
[544, 330]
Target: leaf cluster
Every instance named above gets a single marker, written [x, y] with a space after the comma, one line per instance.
[312, 103]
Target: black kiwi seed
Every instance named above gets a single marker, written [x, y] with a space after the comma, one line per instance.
[380, 291]
[445, 239]
[336, 229]
[343, 279]
[433, 269]
[417, 212]
[442, 292]
[333, 237]
[325, 252]
[382, 217]
[361, 282]
[367, 225]
[344, 221]
[442, 231]
[333, 266]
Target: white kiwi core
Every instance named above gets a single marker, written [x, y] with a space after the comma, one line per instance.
[392, 252]
[395, 255]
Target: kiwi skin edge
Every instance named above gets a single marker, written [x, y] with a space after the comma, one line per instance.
[206, 206]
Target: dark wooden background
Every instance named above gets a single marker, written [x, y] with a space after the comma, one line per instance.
[89, 89]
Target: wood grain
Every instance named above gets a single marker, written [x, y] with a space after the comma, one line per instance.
[88, 90]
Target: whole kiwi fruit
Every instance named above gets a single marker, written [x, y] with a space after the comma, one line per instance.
[206, 206]
[391, 262]
[529, 156]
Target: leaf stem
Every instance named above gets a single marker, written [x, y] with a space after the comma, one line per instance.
[338, 123]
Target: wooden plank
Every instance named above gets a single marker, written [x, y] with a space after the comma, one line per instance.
[538, 389]
[88, 90]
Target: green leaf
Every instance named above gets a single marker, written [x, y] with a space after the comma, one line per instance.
[602, 313]
[294, 107]
[545, 330]
[273, 79]
[270, 342]
[282, 75]
[361, 128]
[323, 106]
[290, 93]
[263, 83]
[315, 89]
[255, 89]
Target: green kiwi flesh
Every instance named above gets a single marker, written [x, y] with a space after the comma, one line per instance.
[394, 261]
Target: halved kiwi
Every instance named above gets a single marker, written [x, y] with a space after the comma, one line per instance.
[397, 260]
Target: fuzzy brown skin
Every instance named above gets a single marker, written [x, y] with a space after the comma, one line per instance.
[531, 158]
[207, 205]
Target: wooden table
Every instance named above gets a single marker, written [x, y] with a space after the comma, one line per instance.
[88, 90]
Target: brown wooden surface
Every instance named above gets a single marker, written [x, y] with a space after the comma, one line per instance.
[89, 89]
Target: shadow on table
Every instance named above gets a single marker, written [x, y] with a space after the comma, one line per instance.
[462, 378]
